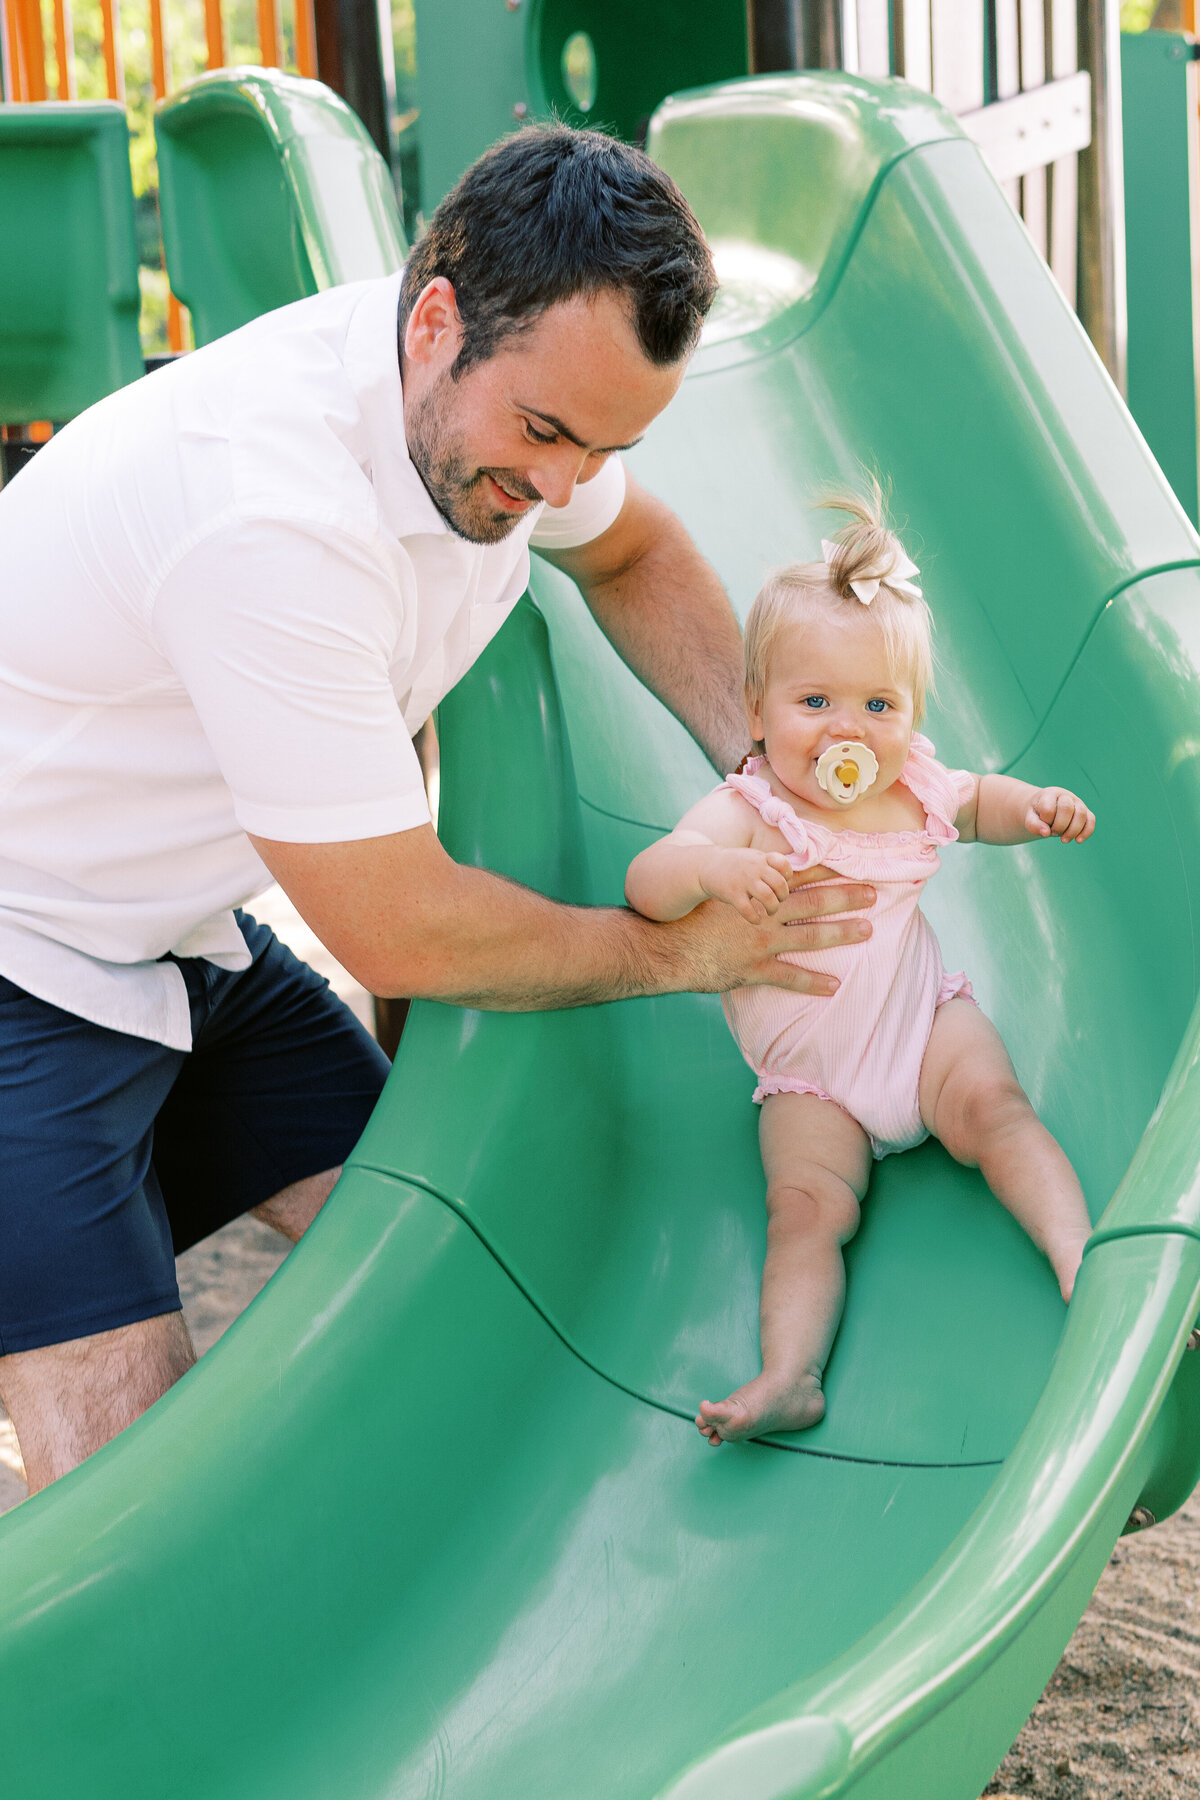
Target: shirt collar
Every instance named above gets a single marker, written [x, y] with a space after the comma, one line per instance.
[373, 367]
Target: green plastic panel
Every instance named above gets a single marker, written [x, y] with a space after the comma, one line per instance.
[433, 1518]
[638, 55]
[483, 70]
[69, 297]
[270, 189]
[1159, 99]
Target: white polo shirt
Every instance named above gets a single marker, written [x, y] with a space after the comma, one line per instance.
[226, 603]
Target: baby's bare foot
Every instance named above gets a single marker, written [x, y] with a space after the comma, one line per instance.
[764, 1404]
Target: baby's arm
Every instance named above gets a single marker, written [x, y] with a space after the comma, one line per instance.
[1004, 811]
[708, 857]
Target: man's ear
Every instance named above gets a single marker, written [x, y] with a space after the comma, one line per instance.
[433, 332]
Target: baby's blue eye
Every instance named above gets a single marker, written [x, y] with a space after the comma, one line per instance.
[876, 706]
[816, 701]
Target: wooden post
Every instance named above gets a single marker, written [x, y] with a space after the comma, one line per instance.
[957, 45]
[1062, 40]
[1102, 190]
[913, 41]
[1006, 71]
[1033, 75]
[874, 39]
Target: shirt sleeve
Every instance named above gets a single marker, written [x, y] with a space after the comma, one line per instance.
[284, 641]
[590, 511]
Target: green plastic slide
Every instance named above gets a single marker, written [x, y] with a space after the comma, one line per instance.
[270, 189]
[433, 1519]
[69, 295]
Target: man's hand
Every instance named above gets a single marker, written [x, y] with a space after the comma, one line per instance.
[405, 919]
[724, 951]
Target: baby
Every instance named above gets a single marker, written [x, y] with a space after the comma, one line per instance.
[838, 663]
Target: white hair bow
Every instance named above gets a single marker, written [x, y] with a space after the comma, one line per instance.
[896, 577]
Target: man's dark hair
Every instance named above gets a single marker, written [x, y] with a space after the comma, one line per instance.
[551, 214]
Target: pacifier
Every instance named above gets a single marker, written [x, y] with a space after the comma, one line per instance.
[846, 770]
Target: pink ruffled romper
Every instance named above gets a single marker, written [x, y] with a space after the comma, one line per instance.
[862, 1047]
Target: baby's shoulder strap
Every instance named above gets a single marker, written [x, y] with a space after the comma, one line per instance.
[941, 791]
[801, 837]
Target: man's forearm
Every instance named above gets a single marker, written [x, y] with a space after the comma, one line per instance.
[405, 919]
[505, 948]
[668, 617]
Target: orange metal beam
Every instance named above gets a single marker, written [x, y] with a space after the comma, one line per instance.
[160, 77]
[306, 40]
[114, 62]
[214, 32]
[64, 49]
[158, 51]
[33, 48]
[12, 47]
[268, 33]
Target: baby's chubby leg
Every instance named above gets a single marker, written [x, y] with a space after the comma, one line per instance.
[817, 1163]
[971, 1099]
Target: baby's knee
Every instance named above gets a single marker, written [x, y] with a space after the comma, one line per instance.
[818, 1203]
[985, 1108]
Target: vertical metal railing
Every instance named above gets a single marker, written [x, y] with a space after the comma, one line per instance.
[1021, 74]
[23, 64]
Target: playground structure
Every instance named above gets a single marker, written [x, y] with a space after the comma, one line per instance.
[543, 1582]
[1161, 87]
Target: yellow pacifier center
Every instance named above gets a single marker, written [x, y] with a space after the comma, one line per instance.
[846, 770]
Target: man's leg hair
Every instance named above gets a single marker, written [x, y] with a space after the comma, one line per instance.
[66, 1400]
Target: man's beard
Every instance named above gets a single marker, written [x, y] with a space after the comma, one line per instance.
[457, 490]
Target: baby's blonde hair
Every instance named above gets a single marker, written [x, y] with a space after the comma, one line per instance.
[866, 548]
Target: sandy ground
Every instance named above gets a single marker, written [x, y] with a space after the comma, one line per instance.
[1121, 1716]
[1120, 1719]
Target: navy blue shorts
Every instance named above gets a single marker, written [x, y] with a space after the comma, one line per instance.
[117, 1153]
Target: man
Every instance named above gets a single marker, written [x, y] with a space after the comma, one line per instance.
[228, 596]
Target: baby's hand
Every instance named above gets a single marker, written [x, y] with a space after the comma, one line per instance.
[1057, 812]
[756, 882]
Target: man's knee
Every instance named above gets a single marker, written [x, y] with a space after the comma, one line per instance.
[66, 1400]
[292, 1210]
